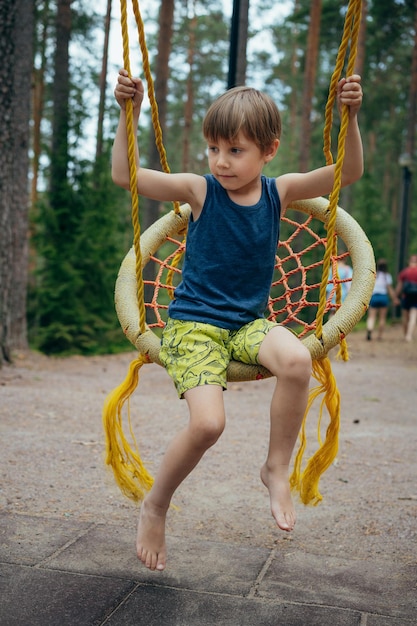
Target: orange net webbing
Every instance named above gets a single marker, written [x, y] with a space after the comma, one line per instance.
[295, 290]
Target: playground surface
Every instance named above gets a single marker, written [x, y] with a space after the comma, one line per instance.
[67, 534]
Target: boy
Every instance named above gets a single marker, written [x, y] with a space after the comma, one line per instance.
[218, 312]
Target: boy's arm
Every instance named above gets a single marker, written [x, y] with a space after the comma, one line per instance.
[320, 182]
[150, 183]
[119, 161]
[350, 94]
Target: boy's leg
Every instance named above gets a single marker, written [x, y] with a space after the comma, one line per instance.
[205, 425]
[283, 354]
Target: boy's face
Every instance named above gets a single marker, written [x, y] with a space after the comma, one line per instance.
[239, 162]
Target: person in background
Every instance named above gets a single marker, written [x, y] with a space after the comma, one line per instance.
[407, 289]
[381, 295]
[344, 273]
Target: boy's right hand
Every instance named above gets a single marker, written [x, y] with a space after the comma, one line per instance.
[128, 88]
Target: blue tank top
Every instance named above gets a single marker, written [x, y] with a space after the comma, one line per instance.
[229, 259]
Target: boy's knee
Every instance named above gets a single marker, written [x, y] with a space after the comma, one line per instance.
[207, 431]
[298, 365]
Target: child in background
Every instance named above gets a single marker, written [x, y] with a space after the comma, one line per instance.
[218, 311]
[344, 273]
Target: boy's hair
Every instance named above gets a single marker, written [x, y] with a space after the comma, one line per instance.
[243, 109]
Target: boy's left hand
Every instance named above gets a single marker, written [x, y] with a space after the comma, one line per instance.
[349, 92]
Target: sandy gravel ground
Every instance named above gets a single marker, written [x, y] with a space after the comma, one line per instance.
[52, 452]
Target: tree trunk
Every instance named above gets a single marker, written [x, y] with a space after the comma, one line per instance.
[309, 83]
[189, 102]
[161, 73]
[360, 56]
[60, 124]
[412, 103]
[103, 83]
[406, 160]
[346, 194]
[293, 106]
[150, 211]
[16, 40]
[38, 97]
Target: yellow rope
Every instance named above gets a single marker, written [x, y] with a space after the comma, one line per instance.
[353, 13]
[151, 94]
[351, 30]
[307, 481]
[131, 151]
[131, 144]
[154, 106]
[350, 34]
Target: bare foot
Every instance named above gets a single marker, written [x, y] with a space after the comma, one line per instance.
[150, 540]
[282, 507]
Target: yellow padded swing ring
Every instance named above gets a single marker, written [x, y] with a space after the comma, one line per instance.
[334, 330]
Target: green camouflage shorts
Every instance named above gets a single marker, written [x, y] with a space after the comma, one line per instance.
[196, 354]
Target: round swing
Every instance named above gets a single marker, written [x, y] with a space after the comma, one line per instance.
[298, 298]
[295, 292]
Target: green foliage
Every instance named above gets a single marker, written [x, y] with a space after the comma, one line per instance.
[79, 250]
[207, 73]
[375, 201]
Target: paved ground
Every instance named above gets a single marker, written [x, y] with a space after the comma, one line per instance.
[67, 535]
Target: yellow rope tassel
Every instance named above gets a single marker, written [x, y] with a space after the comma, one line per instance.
[129, 472]
[307, 482]
[343, 353]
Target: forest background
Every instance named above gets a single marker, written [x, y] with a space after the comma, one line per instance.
[65, 227]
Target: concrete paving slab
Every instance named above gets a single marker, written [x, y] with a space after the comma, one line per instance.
[27, 539]
[376, 587]
[37, 597]
[154, 606]
[197, 565]
[381, 620]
